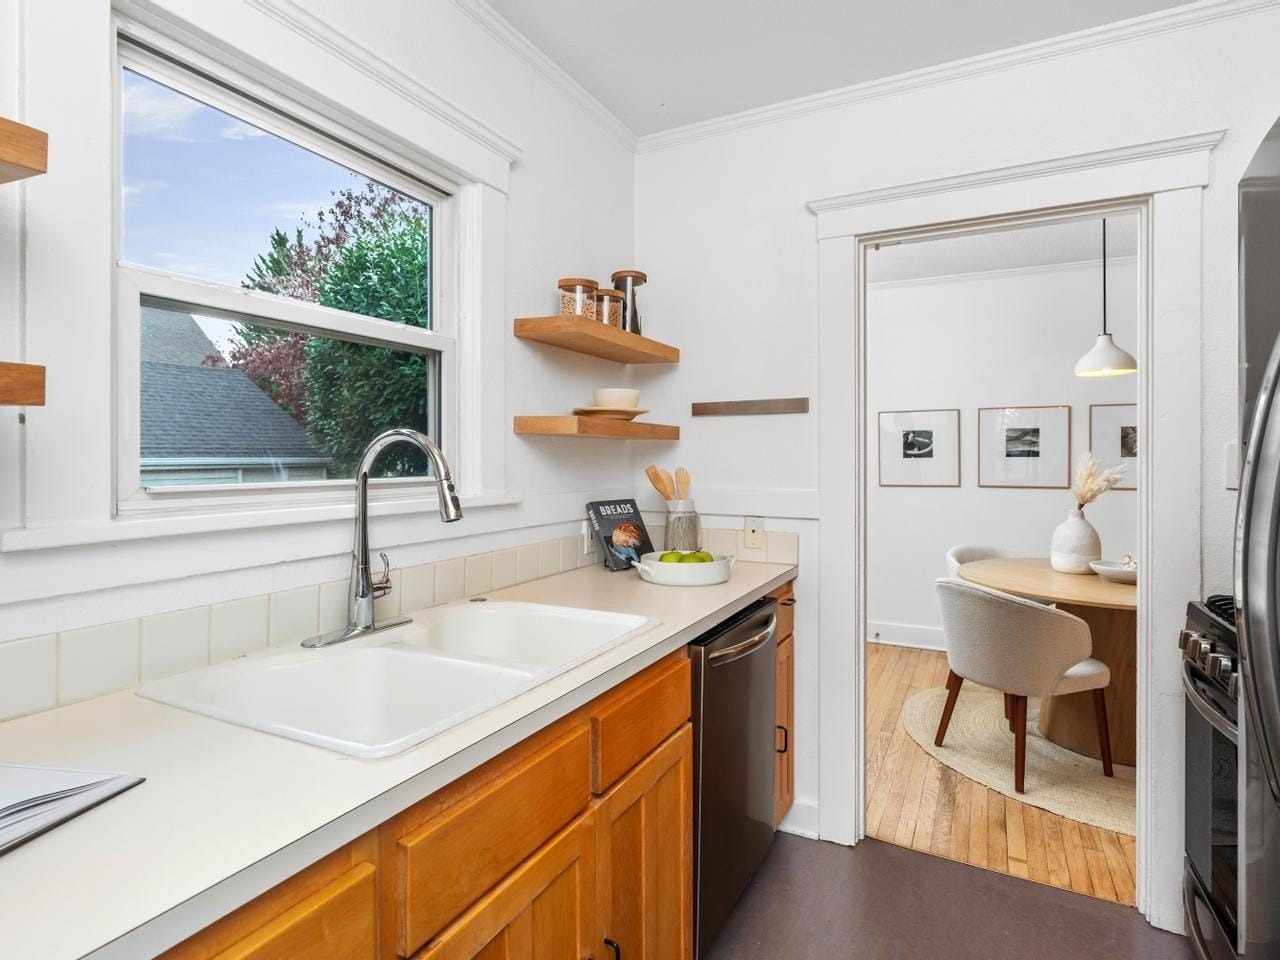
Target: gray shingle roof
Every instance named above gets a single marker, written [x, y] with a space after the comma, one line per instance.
[169, 336]
[193, 412]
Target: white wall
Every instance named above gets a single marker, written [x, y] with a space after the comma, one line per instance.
[723, 230]
[569, 211]
[1004, 338]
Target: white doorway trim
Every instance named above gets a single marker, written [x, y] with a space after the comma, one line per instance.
[1163, 180]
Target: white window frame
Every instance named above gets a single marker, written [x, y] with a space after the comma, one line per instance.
[209, 298]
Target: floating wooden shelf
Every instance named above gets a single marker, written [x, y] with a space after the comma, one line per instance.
[21, 385]
[595, 339]
[24, 151]
[572, 426]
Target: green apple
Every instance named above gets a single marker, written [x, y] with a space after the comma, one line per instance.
[691, 558]
[671, 556]
[704, 557]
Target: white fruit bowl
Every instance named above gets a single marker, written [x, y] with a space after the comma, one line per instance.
[1114, 570]
[652, 570]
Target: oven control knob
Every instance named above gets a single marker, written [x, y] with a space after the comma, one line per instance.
[1200, 649]
[1233, 684]
[1185, 637]
[1218, 666]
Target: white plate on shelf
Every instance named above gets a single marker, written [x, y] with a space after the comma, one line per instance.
[609, 413]
[1113, 570]
[652, 570]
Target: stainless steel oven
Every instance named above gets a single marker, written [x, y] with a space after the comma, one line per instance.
[1212, 875]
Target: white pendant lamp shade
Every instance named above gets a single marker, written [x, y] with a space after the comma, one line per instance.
[1105, 359]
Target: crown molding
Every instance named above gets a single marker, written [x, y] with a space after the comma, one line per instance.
[361, 58]
[1095, 38]
[502, 30]
[1146, 150]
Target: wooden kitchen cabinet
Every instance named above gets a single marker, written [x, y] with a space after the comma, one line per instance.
[579, 833]
[784, 774]
[644, 857]
[544, 910]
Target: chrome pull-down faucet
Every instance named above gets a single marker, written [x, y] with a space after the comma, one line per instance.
[364, 589]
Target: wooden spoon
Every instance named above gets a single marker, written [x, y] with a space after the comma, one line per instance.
[655, 478]
[682, 483]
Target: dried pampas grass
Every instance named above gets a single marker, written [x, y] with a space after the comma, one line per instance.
[1092, 481]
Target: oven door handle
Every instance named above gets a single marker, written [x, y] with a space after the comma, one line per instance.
[1205, 707]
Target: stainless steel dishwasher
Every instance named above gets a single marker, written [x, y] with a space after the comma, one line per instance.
[734, 710]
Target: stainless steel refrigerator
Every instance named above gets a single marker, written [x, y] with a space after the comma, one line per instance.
[1257, 576]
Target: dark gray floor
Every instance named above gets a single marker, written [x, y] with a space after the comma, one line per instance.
[876, 901]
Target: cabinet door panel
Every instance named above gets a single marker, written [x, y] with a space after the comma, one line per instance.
[644, 850]
[544, 910]
[784, 780]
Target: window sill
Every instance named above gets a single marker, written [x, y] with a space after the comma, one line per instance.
[148, 528]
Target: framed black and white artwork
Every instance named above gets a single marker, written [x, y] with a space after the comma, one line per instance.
[920, 448]
[1024, 447]
[1113, 439]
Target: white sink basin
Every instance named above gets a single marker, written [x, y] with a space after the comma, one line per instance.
[382, 694]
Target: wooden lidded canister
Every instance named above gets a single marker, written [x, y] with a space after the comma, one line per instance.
[577, 297]
[627, 281]
[609, 306]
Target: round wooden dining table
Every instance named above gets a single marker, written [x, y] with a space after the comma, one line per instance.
[1110, 610]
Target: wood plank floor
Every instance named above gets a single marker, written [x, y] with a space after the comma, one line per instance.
[914, 801]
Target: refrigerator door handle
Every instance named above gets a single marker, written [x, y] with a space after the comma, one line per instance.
[1255, 573]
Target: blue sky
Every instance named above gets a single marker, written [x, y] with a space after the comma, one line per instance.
[202, 190]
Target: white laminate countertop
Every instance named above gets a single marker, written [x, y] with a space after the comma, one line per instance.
[227, 812]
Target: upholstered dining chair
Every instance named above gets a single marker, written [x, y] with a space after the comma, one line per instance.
[1023, 649]
[966, 552]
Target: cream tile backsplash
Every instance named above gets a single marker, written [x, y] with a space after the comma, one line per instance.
[41, 672]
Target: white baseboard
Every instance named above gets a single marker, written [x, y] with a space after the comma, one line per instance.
[801, 819]
[905, 635]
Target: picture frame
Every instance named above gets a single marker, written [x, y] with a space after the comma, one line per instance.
[1114, 440]
[1028, 446]
[919, 448]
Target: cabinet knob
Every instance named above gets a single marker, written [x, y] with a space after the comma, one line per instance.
[786, 740]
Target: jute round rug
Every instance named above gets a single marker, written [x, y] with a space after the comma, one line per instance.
[979, 746]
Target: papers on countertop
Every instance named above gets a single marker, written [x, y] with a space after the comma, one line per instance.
[36, 799]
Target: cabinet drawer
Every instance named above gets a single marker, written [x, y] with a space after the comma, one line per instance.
[786, 598]
[337, 922]
[626, 729]
[447, 863]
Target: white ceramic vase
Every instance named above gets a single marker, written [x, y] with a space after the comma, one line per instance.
[1074, 544]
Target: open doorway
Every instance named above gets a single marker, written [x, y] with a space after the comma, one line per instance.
[976, 422]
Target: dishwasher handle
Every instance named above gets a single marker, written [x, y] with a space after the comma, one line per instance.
[746, 647]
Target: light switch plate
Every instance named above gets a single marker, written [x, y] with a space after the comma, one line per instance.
[588, 539]
[753, 533]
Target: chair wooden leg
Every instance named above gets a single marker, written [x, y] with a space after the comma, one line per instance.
[1104, 732]
[954, 680]
[1019, 742]
[1008, 710]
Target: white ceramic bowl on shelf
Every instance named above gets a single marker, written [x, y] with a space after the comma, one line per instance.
[652, 570]
[623, 397]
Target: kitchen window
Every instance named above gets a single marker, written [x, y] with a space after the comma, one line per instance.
[279, 301]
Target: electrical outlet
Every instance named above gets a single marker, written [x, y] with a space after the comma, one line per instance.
[753, 533]
[588, 539]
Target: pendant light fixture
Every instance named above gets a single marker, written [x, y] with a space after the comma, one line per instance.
[1105, 359]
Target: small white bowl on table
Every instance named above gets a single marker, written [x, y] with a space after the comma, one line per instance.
[1114, 570]
[653, 570]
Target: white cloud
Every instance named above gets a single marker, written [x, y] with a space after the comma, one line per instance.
[239, 130]
[152, 111]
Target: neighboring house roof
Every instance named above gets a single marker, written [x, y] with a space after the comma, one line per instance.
[191, 411]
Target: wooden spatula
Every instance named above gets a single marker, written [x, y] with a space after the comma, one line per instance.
[655, 478]
[682, 483]
[668, 485]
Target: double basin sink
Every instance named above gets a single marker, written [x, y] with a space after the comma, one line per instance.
[378, 695]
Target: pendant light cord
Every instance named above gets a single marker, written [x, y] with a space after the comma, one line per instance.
[1104, 276]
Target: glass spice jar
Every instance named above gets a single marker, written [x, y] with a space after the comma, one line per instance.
[577, 297]
[609, 307]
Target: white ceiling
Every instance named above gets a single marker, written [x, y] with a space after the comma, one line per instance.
[1072, 241]
[666, 63]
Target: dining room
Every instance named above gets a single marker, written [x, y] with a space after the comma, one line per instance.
[1002, 549]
